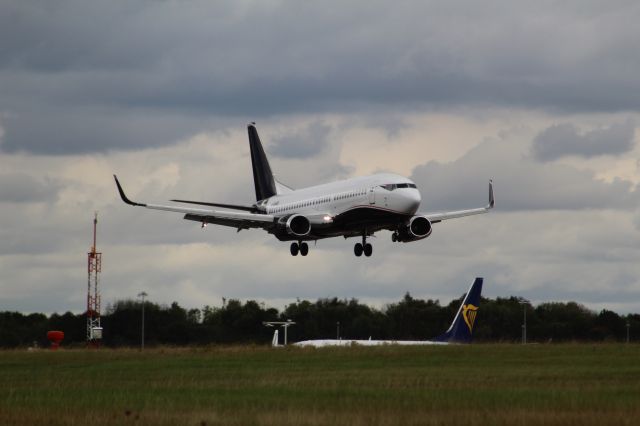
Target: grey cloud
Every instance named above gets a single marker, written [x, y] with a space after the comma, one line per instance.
[23, 188]
[303, 144]
[565, 139]
[177, 62]
[58, 131]
[520, 182]
[636, 220]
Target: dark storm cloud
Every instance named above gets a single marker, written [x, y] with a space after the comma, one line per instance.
[562, 140]
[304, 144]
[168, 62]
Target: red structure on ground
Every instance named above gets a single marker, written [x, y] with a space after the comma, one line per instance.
[55, 337]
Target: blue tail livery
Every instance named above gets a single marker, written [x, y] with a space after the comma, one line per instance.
[461, 329]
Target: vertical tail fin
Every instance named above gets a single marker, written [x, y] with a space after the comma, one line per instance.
[461, 329]
[274, 341]
[262, 176]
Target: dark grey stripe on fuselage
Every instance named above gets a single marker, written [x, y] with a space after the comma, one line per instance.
[262, 176]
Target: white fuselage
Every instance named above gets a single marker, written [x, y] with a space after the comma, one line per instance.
[322, 343]
[376, 200]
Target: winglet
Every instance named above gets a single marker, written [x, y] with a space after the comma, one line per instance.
[492, 200]
[123, 195]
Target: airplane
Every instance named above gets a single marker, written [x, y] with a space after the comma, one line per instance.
[460, 331]
[356, 207]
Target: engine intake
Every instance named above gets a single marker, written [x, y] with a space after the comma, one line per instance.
[417, 228]
[298, 225]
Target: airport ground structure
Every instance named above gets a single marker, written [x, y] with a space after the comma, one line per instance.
[235, 322]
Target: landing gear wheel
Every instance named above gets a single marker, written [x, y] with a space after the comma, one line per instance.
[368, 249]
[358, 249]
[394, 237]
[304, 249]
[294, 249]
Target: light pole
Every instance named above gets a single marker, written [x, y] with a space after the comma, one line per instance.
[142, 295]
[524, 302]
[338, 330]
[628, 326]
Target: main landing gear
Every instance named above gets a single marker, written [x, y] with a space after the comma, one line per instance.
[300, 247]
[363, 247]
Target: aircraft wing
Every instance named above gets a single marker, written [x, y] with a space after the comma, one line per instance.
[235, 219]
[439, 217]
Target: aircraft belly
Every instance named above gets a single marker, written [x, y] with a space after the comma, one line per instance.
[369, 215]
[353, 221]
[350, 223]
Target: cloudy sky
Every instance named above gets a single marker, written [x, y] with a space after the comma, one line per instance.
[543, 97]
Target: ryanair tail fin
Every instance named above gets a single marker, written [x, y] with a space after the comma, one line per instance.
[461, 329]
[262, 176]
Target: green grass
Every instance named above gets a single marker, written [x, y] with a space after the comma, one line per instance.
[466, 385]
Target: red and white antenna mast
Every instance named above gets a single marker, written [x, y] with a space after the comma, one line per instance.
[94, 267]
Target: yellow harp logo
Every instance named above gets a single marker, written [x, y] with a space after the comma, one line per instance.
[469, 313]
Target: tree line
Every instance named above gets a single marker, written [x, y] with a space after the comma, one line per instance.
[499, 320]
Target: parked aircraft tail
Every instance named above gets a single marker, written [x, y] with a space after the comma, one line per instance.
[461, 329]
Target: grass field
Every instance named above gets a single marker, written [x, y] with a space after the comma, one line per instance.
[468, 385]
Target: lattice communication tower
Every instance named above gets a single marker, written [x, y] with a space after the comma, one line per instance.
[94, 267]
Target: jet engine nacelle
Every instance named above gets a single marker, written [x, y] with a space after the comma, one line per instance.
[417, 228]
[298, 225]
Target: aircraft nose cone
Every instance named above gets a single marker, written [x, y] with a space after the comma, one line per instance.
[413, 200]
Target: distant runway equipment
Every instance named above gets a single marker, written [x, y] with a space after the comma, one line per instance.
[55, 337]
[524, 302]
[142, 295]
[284, 324]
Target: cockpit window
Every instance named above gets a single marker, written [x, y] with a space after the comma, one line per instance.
[392, 186]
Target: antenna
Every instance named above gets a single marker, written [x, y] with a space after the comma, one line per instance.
[94, 267]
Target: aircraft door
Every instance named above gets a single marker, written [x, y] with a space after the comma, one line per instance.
[372, 195]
